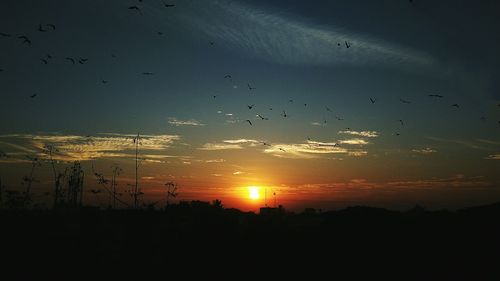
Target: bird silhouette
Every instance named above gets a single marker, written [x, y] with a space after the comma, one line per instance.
[305, 104]
[404, 101]
[401, 121]
[104, 81]
[72, 60]
[265, 143]
[48, 56]
[160, 33]
[214, 96]
[328, 109]
[250, 106]
[347, 45]
[53, 26]
[249, 122]
[282, 149]
[455, 105]
[40, 28]
[82, 61]
[250, 87]
[44, 61]
[5, 34]
[397, 134]
[284, 114]
[26, 40]
[33, 96]
[212, 43]
[290, 101]
[135, 8]
[168, 5]
[435, 96]
[372, 100]
[147, 73]
[262, 117]
[228, 76]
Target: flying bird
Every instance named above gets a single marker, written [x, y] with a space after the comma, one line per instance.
[347, 45]
[265, 143]
[404, 101]
[328, 109]
[33, 96]
[147, 73]
[160, 33]
[212, 43]
[228, 76]
[104, 81]
[26, 39]
[40, 28]
[135, 8]
[82, 60]
[44, 61]
[250, 87]
[249, 122]
[284, 114]
[53, 26]
[282, 149]
[48, 56]
[70, 59]
[250, 106]
[401, 121]
[5, 34]
[214, 96]
[372, 100]
[436, 96]
[305, 104]
[262, 117]
[290, 101]
[455, 105]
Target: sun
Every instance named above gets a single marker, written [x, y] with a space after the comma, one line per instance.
[254, 192]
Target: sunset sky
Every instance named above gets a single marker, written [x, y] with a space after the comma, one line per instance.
[321, 104]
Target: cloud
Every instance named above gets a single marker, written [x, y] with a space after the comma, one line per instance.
[366, 134]
[220, 146]
[237, 173]
[75, 147]
[176, 122]
[280, 39]
[318, 124]
[493, 157]
[426, 150]
[466, 143]
[354, 142]
[241, 141]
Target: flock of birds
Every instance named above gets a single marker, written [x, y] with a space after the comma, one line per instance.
[50, 27]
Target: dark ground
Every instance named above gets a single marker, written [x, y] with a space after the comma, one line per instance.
[198, 239]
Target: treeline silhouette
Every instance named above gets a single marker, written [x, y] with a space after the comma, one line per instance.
[425, 244]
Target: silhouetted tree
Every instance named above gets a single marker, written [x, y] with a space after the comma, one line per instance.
[28, 180]
[217, 204]
[171, 191]
[58, 177]
[114, 183]
[75, 185]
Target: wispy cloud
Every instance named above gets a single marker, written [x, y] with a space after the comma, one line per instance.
[74, 147]
[366, 134]
[467, 143]
[176, 122]
[281, 39]
[354, 141]
[493, 157]
[220, 146]
[241, 141]
[426, 150]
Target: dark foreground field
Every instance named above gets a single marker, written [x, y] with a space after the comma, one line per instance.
[197, 238]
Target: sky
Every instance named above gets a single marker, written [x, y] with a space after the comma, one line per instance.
[322, 104]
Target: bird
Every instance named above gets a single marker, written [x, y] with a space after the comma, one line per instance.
[40, 28]
[53, 26]
[214, 96]
[290, 101]
[401, 121]
[249, 122]
[135, 8]
[397, 134]
[33, 96]
[82, 60]
[284, 114]
[282, 149]
[26, 39]
[5, 34]
[404, 101]
[70, 59]
[167, 5]
[262, 117]
[48, 56]
[372, 100]
[1, 69]
[250, 87]
[338, 44]
[44, 61]
[147, 73]
[348, 128]
[104, 81]
[250, 106]
[212, 43]
[455, 105]
[160, 33]
[328, 109]
[305, 104]
[228, 76]
[324, 121]
[265, 143]
[347, 45]
[435, 96]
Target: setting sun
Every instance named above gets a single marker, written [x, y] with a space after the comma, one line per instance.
[254, 192]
